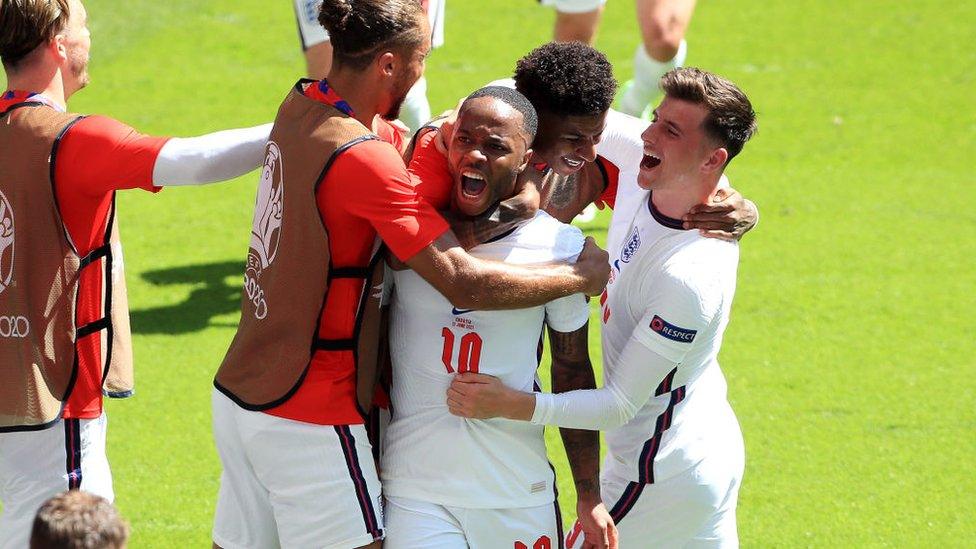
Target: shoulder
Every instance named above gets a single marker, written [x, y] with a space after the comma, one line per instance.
[701, 266]
[371, 156]
[542, 239]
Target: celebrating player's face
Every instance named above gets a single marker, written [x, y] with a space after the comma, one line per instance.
[488, 150]
[565, 143]
[675, 145]
[408, 73]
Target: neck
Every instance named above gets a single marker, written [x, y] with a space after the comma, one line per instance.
[676, 201]
[355, 88]
[43, 80]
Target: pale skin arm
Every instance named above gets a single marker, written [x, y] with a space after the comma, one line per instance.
[471, 283]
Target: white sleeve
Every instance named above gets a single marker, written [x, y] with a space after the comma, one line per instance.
[210, 158]
[677, 308]
[633, 380]
[621, 141]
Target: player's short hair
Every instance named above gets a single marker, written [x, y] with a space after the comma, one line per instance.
[566, 79]
[512, 98]
[26, 24]
[359, 29]
[78, 520]
[730, 120]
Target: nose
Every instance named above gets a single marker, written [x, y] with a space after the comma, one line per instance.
[648, 134]
[475, 155]
[587, 151]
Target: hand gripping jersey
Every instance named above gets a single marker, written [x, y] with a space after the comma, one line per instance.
[431, 455]
[41, 275]
[288, 269]
[670, 292]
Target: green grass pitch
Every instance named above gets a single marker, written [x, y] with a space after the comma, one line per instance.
[850, 356]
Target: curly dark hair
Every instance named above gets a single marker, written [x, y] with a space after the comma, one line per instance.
[566, 79]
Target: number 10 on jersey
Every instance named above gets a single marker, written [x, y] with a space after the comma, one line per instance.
[468, 353]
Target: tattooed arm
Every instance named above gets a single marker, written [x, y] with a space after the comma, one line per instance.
[572, 370]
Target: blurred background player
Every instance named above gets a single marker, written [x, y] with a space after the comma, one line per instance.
[663, 24]
[63, 283]
[78, 520]
[576, 20]
[318, 54]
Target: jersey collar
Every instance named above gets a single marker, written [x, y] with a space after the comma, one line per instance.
[668, 222]
[324, 93]
[16, 97]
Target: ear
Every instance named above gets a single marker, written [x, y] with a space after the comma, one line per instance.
[386, 64]
[56, 47]
[716, 160]
[525, 160]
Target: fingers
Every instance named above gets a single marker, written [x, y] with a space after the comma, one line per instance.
[721, 235]
[710, 226]
[612, 537]
[712, 207]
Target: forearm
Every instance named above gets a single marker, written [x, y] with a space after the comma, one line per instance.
[210, 158]
[572, 370]
[490, 285]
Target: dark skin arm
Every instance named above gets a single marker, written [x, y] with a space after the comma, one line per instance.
[728, 217]
[571, 370]
[471, 283]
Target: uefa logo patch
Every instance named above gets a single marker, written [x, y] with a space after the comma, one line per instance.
[672, 332]
[631, 248]
[266, 230]
[6, 243]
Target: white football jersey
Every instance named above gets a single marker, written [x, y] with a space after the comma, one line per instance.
[431, 455]
[670, 290]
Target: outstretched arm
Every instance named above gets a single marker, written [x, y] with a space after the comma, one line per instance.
[210, 158]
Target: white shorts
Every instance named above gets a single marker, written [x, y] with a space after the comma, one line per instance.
[36, 465]
[312, 33]
[693, 509]
[292, 484]
[413, 524]
[574, 6]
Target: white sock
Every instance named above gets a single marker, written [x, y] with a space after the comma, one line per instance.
[647, 75]
[415, 111]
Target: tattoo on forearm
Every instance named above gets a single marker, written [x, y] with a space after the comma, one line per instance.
[571, 369]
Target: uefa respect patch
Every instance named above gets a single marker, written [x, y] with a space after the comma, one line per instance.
[672, 332]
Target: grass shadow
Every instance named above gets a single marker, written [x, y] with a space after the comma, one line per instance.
[216, 297]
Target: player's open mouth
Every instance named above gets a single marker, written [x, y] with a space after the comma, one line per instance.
[650, 162]
[472, 184]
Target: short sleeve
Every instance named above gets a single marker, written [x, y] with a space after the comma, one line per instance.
[676, 313]
[429, 170]
[98, 155]
[384, 196]
[567, 314]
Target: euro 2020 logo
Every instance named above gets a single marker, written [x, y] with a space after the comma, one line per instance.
[266, 230]
[6, 243]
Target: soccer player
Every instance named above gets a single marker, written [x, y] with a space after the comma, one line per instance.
[318, 53]
[293, 389]
[675, 454]
[663, 24]
[576, 20]
[64, 320]
[451, 482]
[78, 520]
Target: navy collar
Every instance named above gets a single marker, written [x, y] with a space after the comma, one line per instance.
[668, 222]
